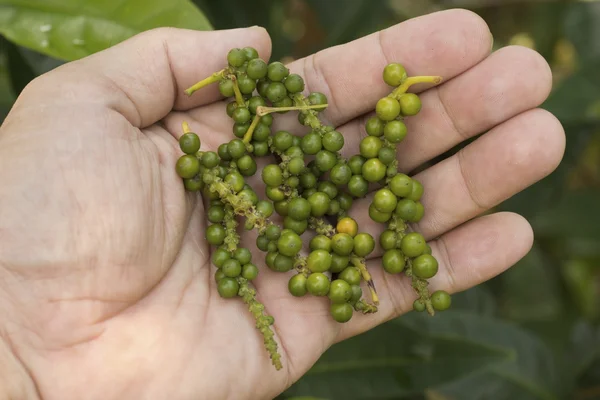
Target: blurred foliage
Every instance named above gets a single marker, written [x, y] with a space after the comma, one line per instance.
[531, 333]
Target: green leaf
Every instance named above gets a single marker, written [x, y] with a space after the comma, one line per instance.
[404, 356]
[530, 375]
[72, 29]
[19, 69]
[7, 96]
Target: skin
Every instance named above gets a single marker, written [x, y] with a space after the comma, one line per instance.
[106, 290]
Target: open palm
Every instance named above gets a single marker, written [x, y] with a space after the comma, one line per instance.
[106, 287]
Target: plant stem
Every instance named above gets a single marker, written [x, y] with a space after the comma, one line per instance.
[239, 99]
[264, 110]
[185, 127]
[400, 90]
[360, 264]
[248, 136]
[215, 77]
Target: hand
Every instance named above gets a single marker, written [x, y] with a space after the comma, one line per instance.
[106, 287]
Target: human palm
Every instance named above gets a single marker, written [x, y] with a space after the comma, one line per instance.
[106, 287]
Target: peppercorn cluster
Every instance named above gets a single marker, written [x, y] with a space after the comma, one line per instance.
[312, 186]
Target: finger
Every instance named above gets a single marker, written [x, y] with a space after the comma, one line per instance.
[496, 166]
[144, 78]
[468, 256]
[445, 43]
[507, 83]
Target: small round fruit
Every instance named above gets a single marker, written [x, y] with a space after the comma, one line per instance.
[215, 234]
[410, 104]
[418, 305]
[194, 184]
[387, 108]
[297, 285]
[374, 126]
[319, 204]
[243, 255]
[283, 263]
[395, 131]
[385, 201]
[320, 242]
[250, 53]
[393, 261]
[318, 261]
[339, 291]
[318, 284]
[355, 163]
[406, 209]
[276, 71]
[377, 215]
[189, 143]
[401, 185]
[232, 268]
[325, 160]
[388, 239]
[216, 214]
[342, 244]
[226, 88]
[441, 300]
[340, 174]
[249, 271]
[228, 287]
[413, 244]
[417, 191]
[373, 170]
[272, 175]
[358, 186]
[236, 57]
[338, 263]
[425, 266]
[351, 275]
[289, 244]
[241, 115]
[219, 257]
[276, 91]
[187, 166]
[370, 146]
[364, 244]
[347, 225]
[312, 143]
[294, 83]
[341, 312]
[257, 69]
[394, 74]
[333, 141]
[299, 209]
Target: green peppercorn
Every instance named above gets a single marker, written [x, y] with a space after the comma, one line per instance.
[215, 234]
[318, 284]
[364, 244]
[320, 242]
[187, 166]
[374, 126]
[189, 143]
[342, 244]
[395, 131]
[228, 287]
[318, 261]
[339, 291]
[370, 146]
[394, 74]
[387, 108]
[341, 313]
[410, 104]
[441, 300]
[311, 144]
[249, 271]
[413, 244]
[297, 285]
[393, 261]
[319, 204]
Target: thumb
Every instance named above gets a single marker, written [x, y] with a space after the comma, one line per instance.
[144, 77]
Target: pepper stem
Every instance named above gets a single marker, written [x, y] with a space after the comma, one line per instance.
[239, 99]
[185, 127]
[413, 80]
[248, 136]
[360, 264]
[215, 77]
[263, 110]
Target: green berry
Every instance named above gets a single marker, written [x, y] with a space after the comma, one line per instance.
[232, 268]
[325, 160]
[283, 140]
[319, 204]
[345, 200]
[355, 163]
[235, 180]
[265, 208]
[276, 71]
[308, 180]
[194, 184]
[419, 214]
[215, 234]
[373, 170]
[374, 126]
[364, 244]
[339, 291]
[236, 148]
[320, 242]
[394, 74]
[226, 88]
[388, 239]
[249, 271]
[274, 193]
[340, 174]
[299, 208]
[441, 300]
[318, 261]
[283, 263]
[236, 57]
[276, 91]
[296, 165]
[351, 275]
[318, 284]
[342, 244]
[216, 214]
[333, 141]
[228, 287]
[187, 166]
[386, 155]
[257, 69]
[297, 285]
[370, 146]
[387, 108]
[262, 243]
[289, 244]
[243, 255]
[341, 312]
[401, 185]
[417, 191]
[410, 104]
[338, 263]
[395, 131]
[246, 85]
[385, 201]
[358, 186]
[189, 143]
[311, 144]
[377, 215]
[294, 83]
[425, 266]
[406, 209]
[273, 232]
[413, 244]
[272, 175]
[356, 294]
[418, 305]
[219, 257]
[219, 275]
[393, 261]
[316, 98]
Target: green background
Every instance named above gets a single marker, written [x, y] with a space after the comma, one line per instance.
[532, 332]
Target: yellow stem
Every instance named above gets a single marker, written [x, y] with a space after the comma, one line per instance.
[186, 127]
[238, 95]
[248, 135]
[262, 110]
[215, 77]
[413, 80]
[360, 264]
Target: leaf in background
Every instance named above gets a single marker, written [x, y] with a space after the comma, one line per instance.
[404, 356]
[19, 70]
[531, 375]
[72, 29]
[7, 96]
[477, 300]
[582, 28]
[579, 277]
